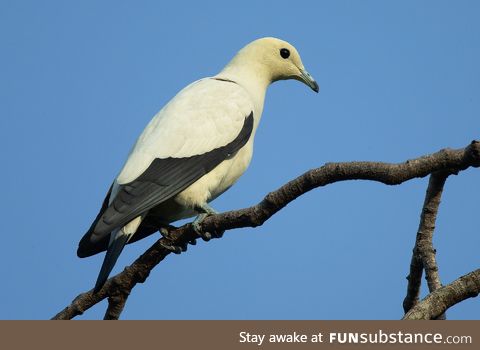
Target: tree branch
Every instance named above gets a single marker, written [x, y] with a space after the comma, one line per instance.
[437, 302]
[424, 253]
[390, 174]
[116, 303]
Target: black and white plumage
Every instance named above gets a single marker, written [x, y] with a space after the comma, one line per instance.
[192, 151]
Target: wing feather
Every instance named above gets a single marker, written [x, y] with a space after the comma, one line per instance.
[206, 115]
[163, 179]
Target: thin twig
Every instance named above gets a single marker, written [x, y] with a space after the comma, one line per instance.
[390, 174]
[423, 256]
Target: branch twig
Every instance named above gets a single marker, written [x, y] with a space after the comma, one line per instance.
[423, 256]
[116, 303]
[437, 302]
[390, 174]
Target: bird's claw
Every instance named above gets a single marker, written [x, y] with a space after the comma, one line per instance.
[206, 236]
[174, 248]
[205, 210]
[165, 232]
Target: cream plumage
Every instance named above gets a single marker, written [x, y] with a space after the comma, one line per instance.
[192, 151]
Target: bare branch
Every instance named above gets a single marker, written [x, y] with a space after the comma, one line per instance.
[116, 303]
[390, 174]
[414, 279]
[424, 253]
[437, 302]
[434, 193]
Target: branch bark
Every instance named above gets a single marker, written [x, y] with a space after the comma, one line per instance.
[423, 256]
[437, 302]
[390, 174]
[116, 303]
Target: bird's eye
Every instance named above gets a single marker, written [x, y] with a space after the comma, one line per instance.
[285, 53]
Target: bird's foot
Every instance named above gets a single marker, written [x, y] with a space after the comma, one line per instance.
[165, 231]
[197, 227]
[196, 224]
[168, 244]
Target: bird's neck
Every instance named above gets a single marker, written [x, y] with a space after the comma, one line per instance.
[252, 78]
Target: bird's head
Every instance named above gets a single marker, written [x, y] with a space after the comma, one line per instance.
[272, 59]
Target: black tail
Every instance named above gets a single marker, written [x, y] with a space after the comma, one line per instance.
[114, 249]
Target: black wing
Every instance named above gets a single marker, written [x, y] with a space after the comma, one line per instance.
[163, 179]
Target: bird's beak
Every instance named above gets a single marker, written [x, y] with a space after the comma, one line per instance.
[306, 78]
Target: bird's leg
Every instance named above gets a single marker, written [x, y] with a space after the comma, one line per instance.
[204, 210]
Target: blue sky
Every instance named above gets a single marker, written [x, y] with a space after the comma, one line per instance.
[80, 80]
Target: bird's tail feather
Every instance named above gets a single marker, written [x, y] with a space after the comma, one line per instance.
[118, 240]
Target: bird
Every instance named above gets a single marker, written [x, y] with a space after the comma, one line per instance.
[193, 150]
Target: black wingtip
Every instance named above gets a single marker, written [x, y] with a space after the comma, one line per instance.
[82, 252]
[88, 248]
[91, 242]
